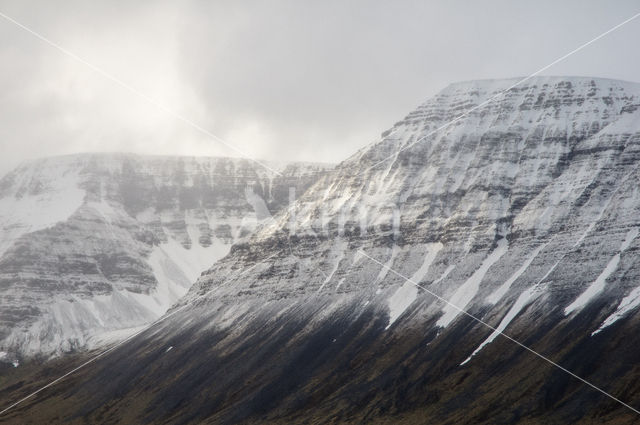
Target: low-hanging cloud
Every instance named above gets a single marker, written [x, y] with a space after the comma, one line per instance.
[279, 79]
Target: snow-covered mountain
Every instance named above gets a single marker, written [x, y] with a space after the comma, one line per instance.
[517, 196]
[525, 213]
[93, 244]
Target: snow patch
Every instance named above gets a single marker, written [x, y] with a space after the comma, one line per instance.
[407, 293]
[599, 284]
[176, 268]
[32, 212]
[523, 300]
[173, 281]
[504, 288]
[628, 303]
[193, 261]
[465, 293]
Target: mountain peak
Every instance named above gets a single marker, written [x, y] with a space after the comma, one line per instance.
[540, 81]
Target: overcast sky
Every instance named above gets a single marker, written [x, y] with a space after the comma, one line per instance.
[294, 80]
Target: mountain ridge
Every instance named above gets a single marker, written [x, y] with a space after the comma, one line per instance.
[525, 213]
[119, 237]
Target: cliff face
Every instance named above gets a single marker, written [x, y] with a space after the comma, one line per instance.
[97, 243]
[550, 169]
[524, 213]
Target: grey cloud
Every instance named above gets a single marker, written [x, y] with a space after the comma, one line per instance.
[279, 79]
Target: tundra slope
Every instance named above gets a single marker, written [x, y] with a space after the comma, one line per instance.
[92, 245]
[525, 213]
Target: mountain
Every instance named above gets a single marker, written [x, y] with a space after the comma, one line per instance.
[93, 245]
[524, 213]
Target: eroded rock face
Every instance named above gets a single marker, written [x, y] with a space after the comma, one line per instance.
[550, 168]
[96, 243]
[524, 212]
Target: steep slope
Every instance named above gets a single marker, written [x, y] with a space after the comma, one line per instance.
[97, 243]
[525, 213]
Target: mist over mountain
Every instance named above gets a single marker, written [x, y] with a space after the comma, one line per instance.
[524, 213]
[94, 245]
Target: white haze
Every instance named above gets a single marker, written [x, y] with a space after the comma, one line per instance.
[280, 79]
